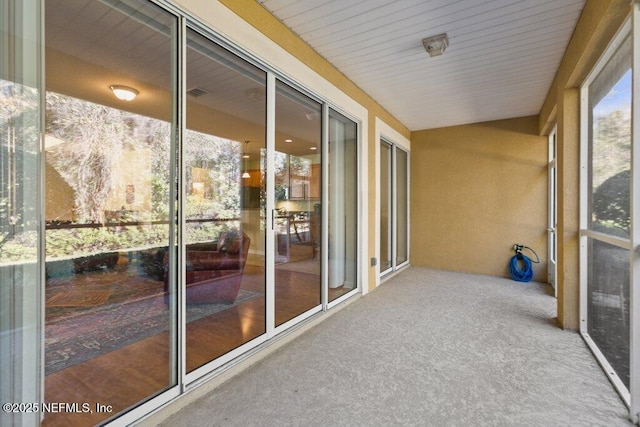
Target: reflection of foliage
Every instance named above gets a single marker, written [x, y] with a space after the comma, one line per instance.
[159, 198]
[220, 158]
[94, 138]
[611, 201]
[19, 147]
[84, 241]
[19, 247]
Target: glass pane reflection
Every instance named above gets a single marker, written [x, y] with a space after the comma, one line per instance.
[224, 194]
[298, 191]
[343, 205]
[107, 178]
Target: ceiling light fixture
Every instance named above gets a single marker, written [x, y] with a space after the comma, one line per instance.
[124, 93]
[288, 141]
[314, 148]
[436, 45]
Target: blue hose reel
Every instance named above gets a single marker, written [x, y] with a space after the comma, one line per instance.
[521, 266]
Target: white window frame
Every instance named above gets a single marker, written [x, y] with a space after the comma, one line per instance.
[387, 134]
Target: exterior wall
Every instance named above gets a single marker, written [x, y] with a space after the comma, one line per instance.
[476, 190]
[598, 24]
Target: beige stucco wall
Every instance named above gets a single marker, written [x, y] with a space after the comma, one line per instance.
[476, 190]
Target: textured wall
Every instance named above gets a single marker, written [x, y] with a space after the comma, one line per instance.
[475, 191]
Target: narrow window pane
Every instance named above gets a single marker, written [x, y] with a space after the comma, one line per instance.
[343, 205]
[224, 193]
[402, 206]
[298, 194]
[109, 318]
[386, 204]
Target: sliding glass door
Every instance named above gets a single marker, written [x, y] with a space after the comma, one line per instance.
[133, 207]
[297, 192]
[343, 205]
[394, 207]
[110, 161]
[223, 192]
[386, 207]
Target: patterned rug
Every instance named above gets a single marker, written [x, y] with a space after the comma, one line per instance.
[75, 339]
[79, 298]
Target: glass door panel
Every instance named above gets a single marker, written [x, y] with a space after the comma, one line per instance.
[109, 205]
[20, 284]
[402, 206]
[552, 219]
[386, 206]
[343, 205]
[298, 190]
[224, 201]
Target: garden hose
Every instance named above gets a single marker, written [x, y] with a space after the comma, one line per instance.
[520, 266]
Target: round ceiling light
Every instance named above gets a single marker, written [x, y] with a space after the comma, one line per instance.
[124, 93]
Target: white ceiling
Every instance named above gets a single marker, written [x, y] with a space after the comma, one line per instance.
[501, 59]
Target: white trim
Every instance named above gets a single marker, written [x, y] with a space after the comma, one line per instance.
[138, 414]
[298, 319]
[270, 240]
[178, 301]
[552, 210]
[395, 139]
[343, 298]
[324, 205]
[634, 291]
[201, 374]
[607, 368]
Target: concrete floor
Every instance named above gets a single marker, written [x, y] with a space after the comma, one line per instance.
[426, 348]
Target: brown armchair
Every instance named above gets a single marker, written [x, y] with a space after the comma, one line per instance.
[214, 269]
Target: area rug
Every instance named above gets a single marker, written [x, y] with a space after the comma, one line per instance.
[78, 298]
[79, 338]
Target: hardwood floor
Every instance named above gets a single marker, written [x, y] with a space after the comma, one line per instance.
[131, 374]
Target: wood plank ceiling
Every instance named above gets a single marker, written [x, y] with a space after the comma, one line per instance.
[501, 59]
